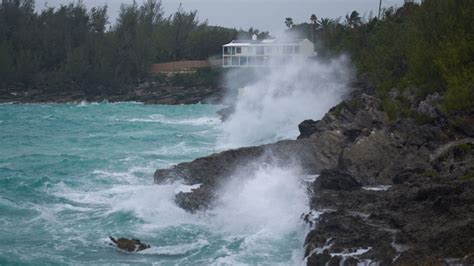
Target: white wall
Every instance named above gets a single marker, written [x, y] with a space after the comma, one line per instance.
[307, 48]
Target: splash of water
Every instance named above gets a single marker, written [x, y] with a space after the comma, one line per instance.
[268, 199]
[271, 108]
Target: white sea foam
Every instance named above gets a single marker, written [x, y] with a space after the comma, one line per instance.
[154, 204]
[271, 108]
[377, 188]
[181, 148]
[158, 118]
[85, 103]
[260, 206]
[268, 199]
[186, 189]
[176, 249]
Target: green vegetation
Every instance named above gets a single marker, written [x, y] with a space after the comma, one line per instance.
[72, 48]
[430, 46]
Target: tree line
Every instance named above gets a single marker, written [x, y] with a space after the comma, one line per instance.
[428, 45]
[73, 48]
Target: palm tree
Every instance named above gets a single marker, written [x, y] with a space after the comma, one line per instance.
[353, 20]
[289, 22]
[314, 24]
[326, 23]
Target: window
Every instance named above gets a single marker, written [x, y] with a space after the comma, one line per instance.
[243, 60]
[297, 49]
[260, 50]
[235, 61]
[226, 50]
[268, 50]
[238, 50]
[227, 61]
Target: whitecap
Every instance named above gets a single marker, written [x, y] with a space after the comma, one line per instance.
[377, 188]
[157, 118]
[180, 249]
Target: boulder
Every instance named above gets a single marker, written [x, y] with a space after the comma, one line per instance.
[129, 245]
[335, 179]
[307, 128]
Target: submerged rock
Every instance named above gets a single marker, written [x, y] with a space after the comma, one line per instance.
[226, 112]
[129, 245]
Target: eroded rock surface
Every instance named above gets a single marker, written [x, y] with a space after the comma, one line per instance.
[389, 191]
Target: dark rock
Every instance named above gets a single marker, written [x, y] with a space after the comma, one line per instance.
[130, 245]
[225, 113]
[335, 179]
[335, 261]
[428, 167]
[408, 176]
[150, 92]
[351, 261]
[349, 232]
[360, 113]
[212, 170]
[307, 128]
[197, 199]
[319, 259]
[464, 123]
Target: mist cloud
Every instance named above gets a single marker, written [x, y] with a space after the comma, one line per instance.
[271, 108]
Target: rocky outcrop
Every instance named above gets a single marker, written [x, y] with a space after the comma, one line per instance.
[390, 191]
[211, 171]
[129, 245]
[424, 213]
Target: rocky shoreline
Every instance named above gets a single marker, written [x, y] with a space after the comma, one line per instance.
[392, 192]
[149, 92]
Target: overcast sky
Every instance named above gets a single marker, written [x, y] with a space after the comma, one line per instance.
[261, 14]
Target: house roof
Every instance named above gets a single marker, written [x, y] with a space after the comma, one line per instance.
[264, 42]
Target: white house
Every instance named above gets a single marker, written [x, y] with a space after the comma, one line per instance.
[257, 53]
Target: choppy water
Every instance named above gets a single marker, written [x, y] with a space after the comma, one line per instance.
[71, 175]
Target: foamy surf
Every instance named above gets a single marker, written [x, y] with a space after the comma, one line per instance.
[157, 118]
[93, 179]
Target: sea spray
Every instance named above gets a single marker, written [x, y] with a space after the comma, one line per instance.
[268, 199]
[260, 208]
[271, 107]
[88, 172]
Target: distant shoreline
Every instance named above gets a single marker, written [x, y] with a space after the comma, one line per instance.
[146, 93]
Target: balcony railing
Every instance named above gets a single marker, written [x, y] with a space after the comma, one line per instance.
[255, 60]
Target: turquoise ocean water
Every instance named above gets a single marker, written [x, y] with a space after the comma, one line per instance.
[73, 174]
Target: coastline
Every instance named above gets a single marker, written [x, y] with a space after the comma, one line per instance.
[386, 188]
[147, 93]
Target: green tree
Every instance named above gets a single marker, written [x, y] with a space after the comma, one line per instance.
[353, 20]
[289, 23]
